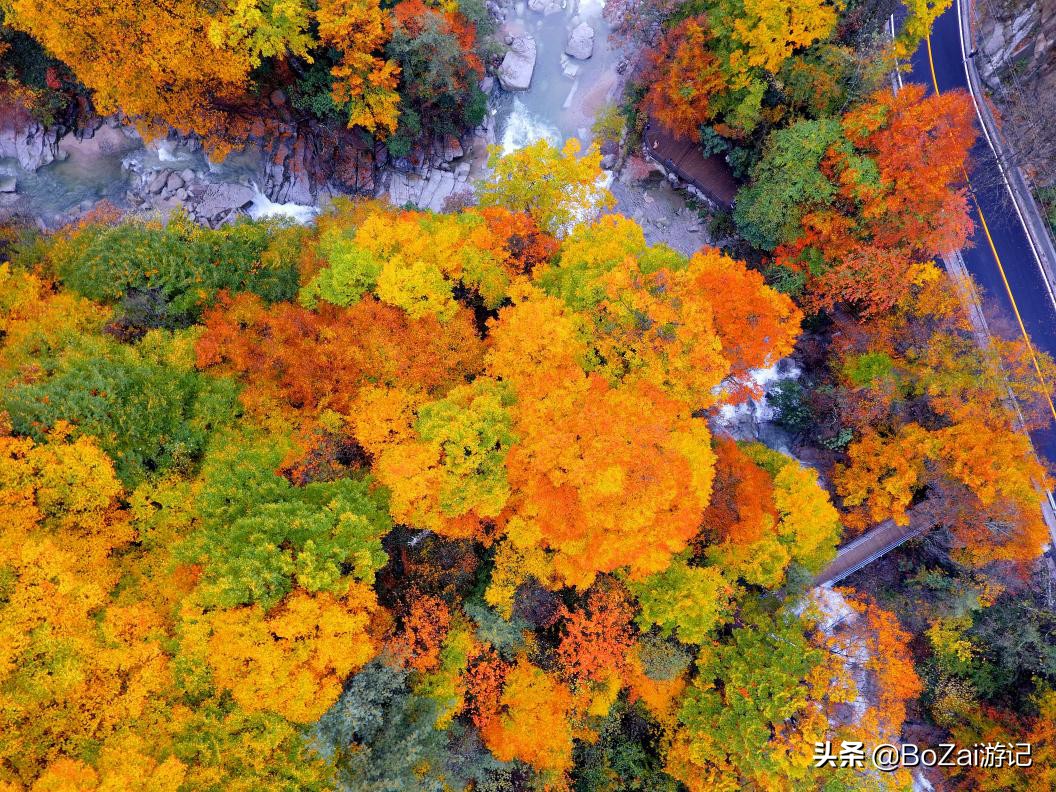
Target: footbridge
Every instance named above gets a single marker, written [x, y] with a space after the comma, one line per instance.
[868, 547]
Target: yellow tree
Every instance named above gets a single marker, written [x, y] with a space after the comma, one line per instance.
[263, 28]
[769, 31]
[557, 188]
[76, 666]
[917, 25]
[152, 60]
[363, 80]
[294, 659]
[445, 466]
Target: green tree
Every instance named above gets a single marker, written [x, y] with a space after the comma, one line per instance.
[261, 536]
[382, 738]
[689, 601]
[786, 182]
[151, 414]
[747, 697]
[185, 263]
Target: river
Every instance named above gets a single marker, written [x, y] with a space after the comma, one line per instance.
[566, 93]
[564, 97]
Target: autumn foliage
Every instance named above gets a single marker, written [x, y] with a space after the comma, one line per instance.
[412, 500]
[896, 199]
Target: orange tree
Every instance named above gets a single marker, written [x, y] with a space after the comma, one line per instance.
[854, 205]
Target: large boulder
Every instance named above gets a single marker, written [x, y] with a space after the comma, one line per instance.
[221, 201]
[581, 41]
[515, 71]
[545, 7]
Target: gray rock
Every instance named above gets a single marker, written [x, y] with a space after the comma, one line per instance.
[187, 175]
[545, 7]
[289, 167]
[221, 201]
[181, 194]
[157, 184]
[27, 141]
[452, 149]
[608, 162]
[515, 72]
[581, 41]
[8, 184]
[487, 84]
[174, 182]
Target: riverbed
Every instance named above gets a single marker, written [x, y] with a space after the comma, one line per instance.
[566, 93]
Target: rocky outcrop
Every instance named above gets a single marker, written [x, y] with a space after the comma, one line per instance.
[23, 138]
[1014, 31]
[440, 176]
[297, 162]
[1016, 57]
[581, 41]
[210, 203]
[215, 204]
[515, 71]
[302, 161]
[429, 189]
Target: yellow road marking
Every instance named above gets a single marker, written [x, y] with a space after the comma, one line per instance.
[1015, 308]
[931, 63]
[997, 258]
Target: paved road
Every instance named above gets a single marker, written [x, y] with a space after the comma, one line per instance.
[1018, 299]
[1016, 295]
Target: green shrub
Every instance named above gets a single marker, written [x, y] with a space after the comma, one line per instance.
[185, 263]
[149, 416]
[787, 397]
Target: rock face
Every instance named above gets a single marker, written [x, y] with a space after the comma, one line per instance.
[286, 160]
[581, 41]
[442, 175]
[298, 163]
[210, 203]
[1015, 30]
[24, 139]
[517, 67]
[301, 160]
[1016, 42]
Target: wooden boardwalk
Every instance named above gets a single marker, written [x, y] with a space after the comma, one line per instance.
[868, 547]
[709, 175]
